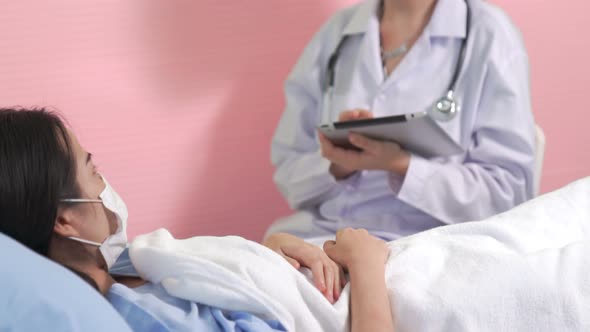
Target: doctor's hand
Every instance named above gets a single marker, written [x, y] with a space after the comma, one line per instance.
[373, 155]
[356, 114]
[328, 276]
[338, 171]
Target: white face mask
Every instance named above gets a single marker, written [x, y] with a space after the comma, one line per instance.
[116, 243]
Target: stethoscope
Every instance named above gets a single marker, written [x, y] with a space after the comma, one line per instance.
[444, 109]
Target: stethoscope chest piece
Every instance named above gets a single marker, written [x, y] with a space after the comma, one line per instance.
[445, 109]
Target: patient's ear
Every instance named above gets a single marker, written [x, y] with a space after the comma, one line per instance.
[64, 223]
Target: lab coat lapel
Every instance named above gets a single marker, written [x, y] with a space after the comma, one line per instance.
[412, 60]
[369, 55]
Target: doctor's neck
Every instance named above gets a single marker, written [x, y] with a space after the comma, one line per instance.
[410, 9]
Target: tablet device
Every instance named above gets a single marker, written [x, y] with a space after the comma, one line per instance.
[415, 132]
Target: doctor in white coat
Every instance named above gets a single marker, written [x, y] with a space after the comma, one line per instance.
[398, 56]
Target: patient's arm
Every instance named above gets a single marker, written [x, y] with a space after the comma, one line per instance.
[328, 277]
[364, 257]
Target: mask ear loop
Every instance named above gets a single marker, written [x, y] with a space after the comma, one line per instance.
[96, 244]
[82, 200]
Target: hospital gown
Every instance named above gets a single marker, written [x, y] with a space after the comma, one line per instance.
[150, 308]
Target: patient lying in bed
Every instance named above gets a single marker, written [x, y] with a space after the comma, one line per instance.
[53, 200]
[524, 270]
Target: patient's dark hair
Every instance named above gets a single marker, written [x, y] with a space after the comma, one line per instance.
[37, 168]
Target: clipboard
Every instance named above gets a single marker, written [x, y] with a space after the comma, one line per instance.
[415, 132]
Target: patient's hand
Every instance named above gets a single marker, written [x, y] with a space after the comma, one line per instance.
[328, 276]
[356, 248]
[364, 257]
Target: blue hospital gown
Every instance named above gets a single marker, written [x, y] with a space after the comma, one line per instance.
[150, 308]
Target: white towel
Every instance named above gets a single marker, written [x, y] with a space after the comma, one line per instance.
[524, 270]
[236, 274]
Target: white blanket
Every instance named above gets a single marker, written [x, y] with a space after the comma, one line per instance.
[525, 270]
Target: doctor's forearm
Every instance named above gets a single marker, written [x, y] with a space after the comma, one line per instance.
[339, 172]
[453, 192]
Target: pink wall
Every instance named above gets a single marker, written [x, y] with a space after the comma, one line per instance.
[178, 99]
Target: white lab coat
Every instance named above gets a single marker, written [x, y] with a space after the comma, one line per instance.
[495, 126]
